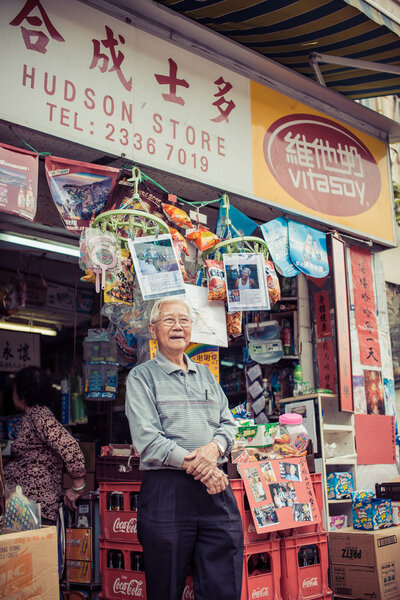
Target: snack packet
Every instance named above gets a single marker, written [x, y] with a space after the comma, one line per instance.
[179, 247]
[216, 280]
[256, 436]
[234, 324]
[274, 289]
[203, 238]
[177, 216]
[178, 237]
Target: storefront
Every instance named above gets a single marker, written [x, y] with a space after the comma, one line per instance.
[307, 174]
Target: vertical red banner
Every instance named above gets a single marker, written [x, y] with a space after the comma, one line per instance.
[365, 307]
[342, 325]
[326, 365]
[322, 314]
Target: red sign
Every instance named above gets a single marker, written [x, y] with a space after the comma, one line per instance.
[322, 165]
[18, 181]
[342, 325]
[322, 314]
[326, 365]
[364, 306]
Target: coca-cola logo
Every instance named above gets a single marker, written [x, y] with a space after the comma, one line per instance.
[313, 581]
[251, 528]
[188, 593]
[322, 165]
[260, 593]
[120, 526]
[131, 587]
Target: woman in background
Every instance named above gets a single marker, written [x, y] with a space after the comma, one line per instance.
[42, 448]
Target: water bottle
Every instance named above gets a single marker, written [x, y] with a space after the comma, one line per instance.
[298, 380]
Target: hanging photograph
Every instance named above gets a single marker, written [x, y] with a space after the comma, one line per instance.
[246, 282]
[156, 266]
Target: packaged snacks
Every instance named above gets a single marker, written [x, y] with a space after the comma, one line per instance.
[234, 323]
[274, 289]
[177, 216]
[179, 247]
[216, 280]
[178, 237]
[119, 286]
[256, 436]
[203, 238]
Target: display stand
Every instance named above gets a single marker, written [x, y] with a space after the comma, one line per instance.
[332, 427]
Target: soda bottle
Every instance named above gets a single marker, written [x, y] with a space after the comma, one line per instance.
[297, 380]
[110, 559]
[119, 560]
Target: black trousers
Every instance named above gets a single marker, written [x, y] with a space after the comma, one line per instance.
[180, 524]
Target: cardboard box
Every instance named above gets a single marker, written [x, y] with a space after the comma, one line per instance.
[339, 485]
[79, 544]
[79, 571]
[375, 513]
[365, 564]
[90, 483]
[29, 565]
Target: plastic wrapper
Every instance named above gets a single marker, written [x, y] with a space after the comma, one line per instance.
[119, 283]
[203, 238]
[99, 253]
[240, 412]
[179, 248]
[234, 324]
[216, 280]
[151, 196]
[274, 289]
[177, 216]
[178, 237]
[256, 436]
[21, 512]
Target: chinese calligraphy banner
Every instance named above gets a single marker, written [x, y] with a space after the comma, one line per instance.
[364, 306]
[322, 314]
[18, 181]
[98, 81]
[326, 365]
[18, 350]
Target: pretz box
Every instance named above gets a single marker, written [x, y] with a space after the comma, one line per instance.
[29, 565]
[365, 564]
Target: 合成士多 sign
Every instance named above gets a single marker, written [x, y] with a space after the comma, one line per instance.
[100, 82]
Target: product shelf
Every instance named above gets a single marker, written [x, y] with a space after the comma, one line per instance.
[342, 460]
[339, 500]
[334, 428]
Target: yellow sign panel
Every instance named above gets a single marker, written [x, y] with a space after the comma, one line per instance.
[317, 166]
[198, 353]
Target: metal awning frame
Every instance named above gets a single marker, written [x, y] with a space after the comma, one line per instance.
[316, 58]
[178, 29]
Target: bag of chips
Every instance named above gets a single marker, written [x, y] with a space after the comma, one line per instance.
[178, 237]
[216, 279]
[179, 247]
[234, 324]
[274, 289]
[177, 216]
[203, 238]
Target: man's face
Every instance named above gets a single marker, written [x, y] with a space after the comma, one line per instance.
[245, 273]
[292, 470]
[172, 338]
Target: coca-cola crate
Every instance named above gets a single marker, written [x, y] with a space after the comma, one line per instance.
[316, 479]
[304, 564]
[121, 580]
[118, 468]
[118, 513]
[262, 570]
[249, 530]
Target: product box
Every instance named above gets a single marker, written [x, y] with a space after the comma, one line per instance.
[365, 564]
[29, 565]
[371, 514]
[396, 512]
[79, 544]
[79, 571]
[339, 485]
[337, 522]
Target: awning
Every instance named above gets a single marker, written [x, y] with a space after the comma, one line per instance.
[288, 31]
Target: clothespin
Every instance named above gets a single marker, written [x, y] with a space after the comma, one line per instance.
[172, 199]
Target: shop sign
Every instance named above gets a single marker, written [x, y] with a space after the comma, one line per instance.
[62, 297]
[18, 350]
[97, 81]
[307, 248]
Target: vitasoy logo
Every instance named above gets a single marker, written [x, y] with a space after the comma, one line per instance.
[322, 165]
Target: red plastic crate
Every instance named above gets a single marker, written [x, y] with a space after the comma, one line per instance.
[263, 585]
[249, 529]
[300, 582]
[118, 584]
[118, 525]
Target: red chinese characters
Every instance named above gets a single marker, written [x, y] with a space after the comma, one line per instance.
[322, 314]
[35, 39]
[326, 365]
[224, 106]
[364, 306]
[173, 82]
[102, 60]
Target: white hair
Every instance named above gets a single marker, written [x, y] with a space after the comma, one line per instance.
[156, 310]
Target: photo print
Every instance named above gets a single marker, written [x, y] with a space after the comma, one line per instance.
[289, 471]
[246, 282]
[283, 494]
[301, 512]
[266, 515]
[256, 486]
[268, 472]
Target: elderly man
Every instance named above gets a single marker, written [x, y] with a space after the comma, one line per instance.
[182, 428]
[245, 282]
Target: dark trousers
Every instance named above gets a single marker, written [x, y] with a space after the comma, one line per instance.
[180, 524]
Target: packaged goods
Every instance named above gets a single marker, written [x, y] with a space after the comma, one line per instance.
[362, 495]
[339, 485]
[274, 289]
[178, 237]
[371, 514]
[216, 280]
[177, 216]
[298, 435]
[234, 323]
[203, 238]
[256, 436]
[337, 522]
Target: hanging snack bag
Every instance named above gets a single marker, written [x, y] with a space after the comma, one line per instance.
[177, 216]
[178, 237]
[274, 289]
[119, 284]
[216, 279]
[234, 324]
[179, 247]
[203, 238]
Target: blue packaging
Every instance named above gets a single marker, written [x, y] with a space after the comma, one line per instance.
[340, 485]
[375, 513]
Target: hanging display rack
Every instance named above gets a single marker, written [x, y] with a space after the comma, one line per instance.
[128, 222]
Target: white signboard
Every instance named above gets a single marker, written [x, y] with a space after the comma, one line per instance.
[18, 350]
[100, 82]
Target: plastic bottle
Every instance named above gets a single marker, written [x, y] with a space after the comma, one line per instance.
[286, 336]
[298, 434]
[298, 380]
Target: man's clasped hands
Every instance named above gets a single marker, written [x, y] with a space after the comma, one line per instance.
[202, 464]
